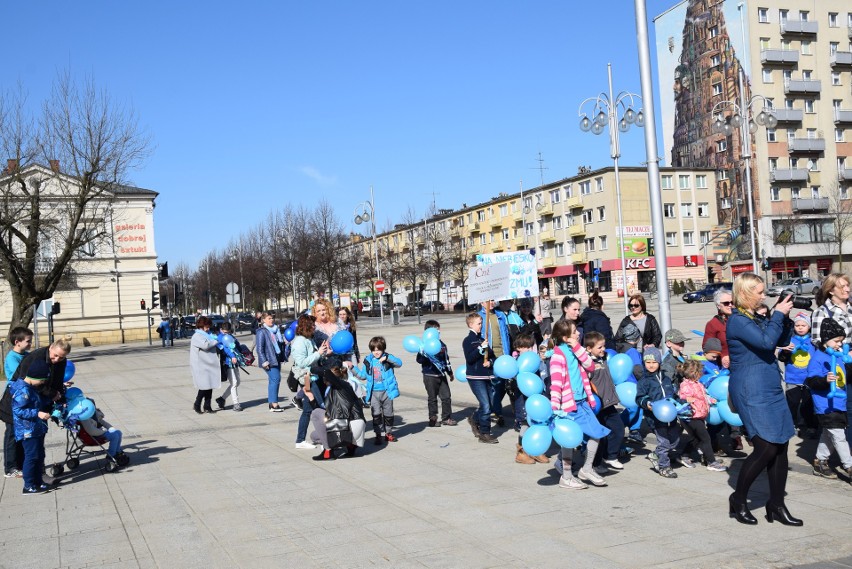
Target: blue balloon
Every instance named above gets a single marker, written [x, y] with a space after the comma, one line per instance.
[664, 410]
[461, 373]
[620, 366]
[70, 370]
[610, 352]
[227, 340]
[289, 333]
[342, 342]
[412, 344]
[538, 408]
[73, 393]
[431, 346]
[627, 395]
[537, 440]
[728, 415]
[505, 367]
[632, 379]
[714, 418]
[634, 356]
[530, 384]
[719, 388]
[598, 403]
[567, 433]
[632, 418]
[83, 408]
[430, 333]
[528, 361]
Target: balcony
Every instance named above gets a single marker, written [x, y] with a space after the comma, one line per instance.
[799, 27]
[842, 116]
[789, 175]
[788, 115]
[779, 56]
[573, 202]
[844, 174]
[548, 262]
[520, 241]
[800, 86]
[496, 221]
[546, 236]
[808, 206]
[579, 258]
[543, 209]
[806, 145]
[840, 58]
[577, 230]
[518, 216]
[474, 227]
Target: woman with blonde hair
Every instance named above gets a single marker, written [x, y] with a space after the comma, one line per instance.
[756, 393]
[833, 302]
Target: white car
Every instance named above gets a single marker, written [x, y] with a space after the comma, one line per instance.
[801, 285]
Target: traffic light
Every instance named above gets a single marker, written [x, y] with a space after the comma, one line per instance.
[767, 263]
[55, 308]
[142, 304]
[155, 299]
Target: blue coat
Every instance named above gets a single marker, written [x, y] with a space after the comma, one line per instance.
[818, 368]
[265, 348]
[595, 320]
[26, 403]
[755, 389]
[388, 376]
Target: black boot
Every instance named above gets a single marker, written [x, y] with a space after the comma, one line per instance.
[207, 407]
[739, 511]
[781, 514]
[197, 406]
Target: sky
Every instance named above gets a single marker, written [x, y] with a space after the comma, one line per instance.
[258, 104]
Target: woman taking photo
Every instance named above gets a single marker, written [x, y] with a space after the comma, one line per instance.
[649, 329]
[594, 319]
[204, 364]
[755, 392]
[269, 357]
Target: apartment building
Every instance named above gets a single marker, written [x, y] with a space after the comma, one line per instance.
[791, 61]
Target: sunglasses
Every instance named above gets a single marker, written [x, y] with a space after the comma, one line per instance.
[634, 305]
[727, 303]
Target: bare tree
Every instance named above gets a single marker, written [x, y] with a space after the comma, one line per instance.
[50, 214]
[439, 254]
[840, 212]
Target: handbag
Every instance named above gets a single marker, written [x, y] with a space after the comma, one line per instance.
[292, 382]
[6, 406]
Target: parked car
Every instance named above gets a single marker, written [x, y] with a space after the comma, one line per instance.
[245, 320]
[189, 325]
[432, 306]
[706, 293]
[471, 307]
[801, 285]
[217, 320]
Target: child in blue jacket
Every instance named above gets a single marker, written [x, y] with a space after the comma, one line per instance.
[382, 387]
[30, 423]
[654, 386]
[796, 358]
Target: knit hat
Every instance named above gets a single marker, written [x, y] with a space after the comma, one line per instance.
[652, 354]
[675, 336]
[38, 370]
[803, 316]
[713, 345]
[830, 329]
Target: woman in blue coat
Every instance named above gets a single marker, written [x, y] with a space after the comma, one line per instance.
[755, 392]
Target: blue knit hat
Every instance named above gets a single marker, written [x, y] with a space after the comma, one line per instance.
[652, 354]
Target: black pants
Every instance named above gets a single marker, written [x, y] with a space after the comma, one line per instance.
[206, 395]
[13, 451]
[696, 435]
[801, 406]
[611, 445]
[437, 386]
[771, 457]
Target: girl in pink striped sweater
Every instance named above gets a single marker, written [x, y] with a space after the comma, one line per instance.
[571, 396]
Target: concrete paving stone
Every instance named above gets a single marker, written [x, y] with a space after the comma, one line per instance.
[30, 550]
[105, 545]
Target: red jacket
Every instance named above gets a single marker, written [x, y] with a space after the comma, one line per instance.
[715, 328]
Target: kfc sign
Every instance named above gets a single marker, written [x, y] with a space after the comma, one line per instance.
[690, 260]
[638, 263]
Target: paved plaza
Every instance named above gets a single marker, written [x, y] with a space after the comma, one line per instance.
[230, 490]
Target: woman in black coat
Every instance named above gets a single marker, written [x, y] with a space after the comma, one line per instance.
[593, 319]
[343, 413]
[651, 335]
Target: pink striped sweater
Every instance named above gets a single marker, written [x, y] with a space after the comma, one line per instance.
[561, 394]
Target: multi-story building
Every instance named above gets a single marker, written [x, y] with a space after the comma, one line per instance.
[571, 225]
[791, 60]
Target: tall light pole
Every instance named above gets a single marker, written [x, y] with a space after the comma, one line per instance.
[366, 212]
[242, 283]
[618, 113]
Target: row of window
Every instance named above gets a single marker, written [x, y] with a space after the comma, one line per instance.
[811, 163]
[805, 46]
[686, 210]
[815, 193]
[684, 182]
[803, 16]
[768, 76]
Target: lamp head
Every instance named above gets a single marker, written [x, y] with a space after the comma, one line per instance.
[629, 115]
[760, 118]
[640, 119]
[771, 121]
[359, 220]
[585, 124]
[736, 121]
[597, 128]
[623, 125]
[601, 118]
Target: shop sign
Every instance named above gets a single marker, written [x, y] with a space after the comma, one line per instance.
[638, 247]
[690, 260]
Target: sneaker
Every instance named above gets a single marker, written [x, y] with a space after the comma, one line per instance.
[275, 408]
[653, 458]
[625, 452]
[391, 438]
[685, 461]
[237, 407]
[601, 469]
[667, 472]
[614, 463]
[449, 422]
[571, 483]
[488, 438]
[306, 445]
[591, 477]
[33, 490]
[636, 437]
[379, 440]
[736, 443]
[433, 422]
[717, 467]
[220, 402]
[325, 455]
[14, 473]
[821, 468]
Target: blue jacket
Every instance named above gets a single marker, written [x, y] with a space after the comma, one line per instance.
[653, 387]
[755, 390]
[265, 348]
[26, 403]
[442, 358]
[388, 377]
[504, 330]
[796, 363]
[818, 368]
[596, 321]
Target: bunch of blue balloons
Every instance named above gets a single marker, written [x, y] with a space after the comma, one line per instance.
[717, 388]
[429, 344]
[77, 405]
[546, 427]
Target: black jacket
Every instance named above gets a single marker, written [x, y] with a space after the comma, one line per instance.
[341, 401]
[56, 382]
[652, 334]
[594, 320]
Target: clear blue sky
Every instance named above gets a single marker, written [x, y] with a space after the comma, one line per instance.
[253, 105]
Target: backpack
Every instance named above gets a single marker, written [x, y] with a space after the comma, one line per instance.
[6, 405]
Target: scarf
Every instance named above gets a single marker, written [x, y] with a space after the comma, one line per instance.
[276, 336]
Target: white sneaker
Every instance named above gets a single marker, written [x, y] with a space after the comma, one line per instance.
[615, 464]
[571, 484]
[306, 445]
[590, 476]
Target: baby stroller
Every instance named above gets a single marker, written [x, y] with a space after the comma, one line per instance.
[79, 442]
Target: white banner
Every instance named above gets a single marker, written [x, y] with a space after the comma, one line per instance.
[523, 273]
[488, 282]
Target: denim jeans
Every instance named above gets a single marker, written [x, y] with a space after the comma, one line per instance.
[33, 461]
[114, 438]
[498, 392]
[274, 375]
[611, 445]
[668, 437]
[305, 417]
[13, 451]
[483, 390]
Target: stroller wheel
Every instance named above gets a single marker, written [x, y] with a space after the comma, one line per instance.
[72, 463]
[56, 470]
[111, 466]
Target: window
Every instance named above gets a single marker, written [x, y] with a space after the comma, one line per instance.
[765, 44]
[771, 136]
[701, 181]
[722, 174]
[589, 244]
[683, 182]
[835, 78]
[587, 216]
[704, 236]
[505, 235]
[813, 164]
[791, 134]
[569, 192]
[602, 213]
[812, 133]
[504, 210]
[721, 145]
[832, 47]
[815, 192]
[767, 75]
[787, 74]
[794, 193]
[775, 194]
[773, 164]
[809, 106]
[806, 47]
[806, 74]
[803, 15]
[714, 31]
[480, 215]
[794, 163]
[666, 182]
[783, 15]
[560, 249]
[717, 89]
[716, 61]
[528, 229]
[832, 20]
[557, 222]
[669, 210]
[838, 135]
[703, 209]
[689, 238]
[528, 204]
[482, 238]
[788, 103]
[725, 203]
[844, 193]
[763, 15]
[585, 188]
[604, 243]
[599, 185]
[686, 210]
[555, 196]
[671, 239]
[835, 104]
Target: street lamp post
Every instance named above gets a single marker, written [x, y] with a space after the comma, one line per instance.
[289, 237]
[366, 212]
[731, 116]
[606, 111]
[242, 283]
